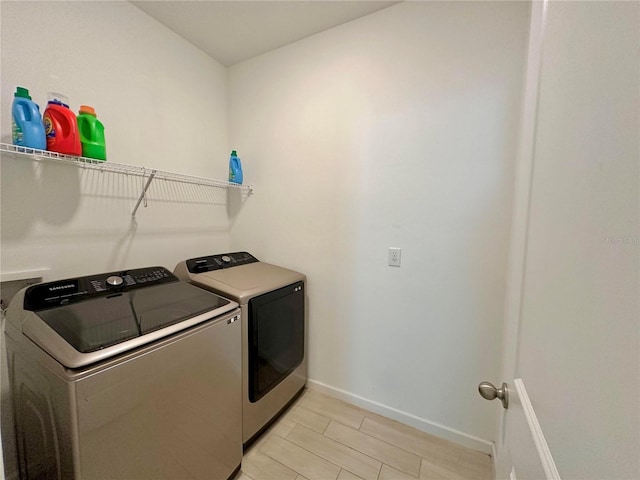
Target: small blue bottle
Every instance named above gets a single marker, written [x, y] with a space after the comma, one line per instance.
[235, 169]
[27, 128]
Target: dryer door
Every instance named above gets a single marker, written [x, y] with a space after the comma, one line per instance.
[276, 337]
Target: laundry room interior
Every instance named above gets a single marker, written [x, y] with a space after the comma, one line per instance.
[399, 128]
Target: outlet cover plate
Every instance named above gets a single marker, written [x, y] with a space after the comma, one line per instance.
[394, 256]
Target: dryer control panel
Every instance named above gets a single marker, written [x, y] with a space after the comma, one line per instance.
[217, 262]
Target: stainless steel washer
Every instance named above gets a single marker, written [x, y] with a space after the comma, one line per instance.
[272, 304]
[125, 375]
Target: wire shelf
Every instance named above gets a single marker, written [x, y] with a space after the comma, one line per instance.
[149, 173]
[84, 162]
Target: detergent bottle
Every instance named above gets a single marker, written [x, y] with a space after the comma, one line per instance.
[235, 168]
[26, 123]
[91, 133]
[61, 126]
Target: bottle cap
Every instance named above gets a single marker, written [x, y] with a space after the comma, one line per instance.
[233, 153]
[87, 109]
[58, 99]
[22, 92]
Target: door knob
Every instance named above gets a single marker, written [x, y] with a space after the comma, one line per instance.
[488, 391]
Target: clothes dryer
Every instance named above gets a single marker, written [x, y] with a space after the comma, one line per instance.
[272, 305]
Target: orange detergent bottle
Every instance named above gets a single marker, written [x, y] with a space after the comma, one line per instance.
[61, 126]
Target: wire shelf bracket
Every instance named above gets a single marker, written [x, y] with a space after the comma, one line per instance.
[143, 195]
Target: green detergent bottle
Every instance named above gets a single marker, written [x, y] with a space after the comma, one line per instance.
[91, 134]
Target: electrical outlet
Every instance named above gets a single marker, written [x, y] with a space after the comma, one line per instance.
[394, 256]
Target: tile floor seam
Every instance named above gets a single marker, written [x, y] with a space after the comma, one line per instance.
[326, 459]
[362, 423]
[354, 450]
[381, 440]
[351, 448]
[392, 444]
[350, 406]
[242, 472]
[454, 445]
[285, 466]
[332, 419]
[316, 413]
[338, 421]
[272, 459]
[380, 471]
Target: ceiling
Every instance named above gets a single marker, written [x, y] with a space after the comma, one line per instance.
[236, 30]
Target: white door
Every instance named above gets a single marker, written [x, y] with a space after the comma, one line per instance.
[571, 343]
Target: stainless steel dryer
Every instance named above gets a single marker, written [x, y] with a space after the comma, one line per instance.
[272, 304]
[125, 375]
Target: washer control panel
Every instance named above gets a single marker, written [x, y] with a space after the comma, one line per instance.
[63, 292]
[130, 278]
[217, 262]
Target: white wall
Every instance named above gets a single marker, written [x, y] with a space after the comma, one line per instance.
[163, 103]
[397, 129]
[579, 335]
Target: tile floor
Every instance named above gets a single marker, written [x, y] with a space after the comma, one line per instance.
[323, 438]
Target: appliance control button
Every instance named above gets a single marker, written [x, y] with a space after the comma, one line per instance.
[114, 281]
[225, 258]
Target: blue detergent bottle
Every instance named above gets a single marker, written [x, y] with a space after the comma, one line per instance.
[235, 169]
[27, 128]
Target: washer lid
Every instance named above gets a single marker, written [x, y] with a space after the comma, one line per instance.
[84, 320]
[108, 320]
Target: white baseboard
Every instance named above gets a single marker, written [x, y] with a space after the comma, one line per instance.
[421, 424]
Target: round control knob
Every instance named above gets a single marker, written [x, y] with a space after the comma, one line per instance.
[225, 258]
[114, 281]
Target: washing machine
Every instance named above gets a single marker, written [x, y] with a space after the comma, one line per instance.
[272, 305]
[125, 375]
